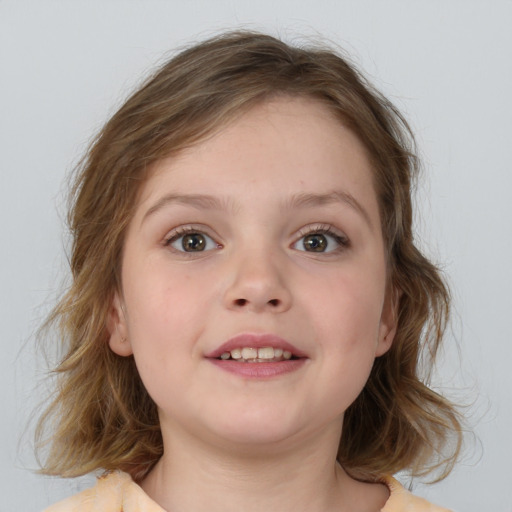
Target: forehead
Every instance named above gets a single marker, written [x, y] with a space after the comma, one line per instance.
[283, 146]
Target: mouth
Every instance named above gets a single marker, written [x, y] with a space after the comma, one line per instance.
[249, 347]
[257, 355]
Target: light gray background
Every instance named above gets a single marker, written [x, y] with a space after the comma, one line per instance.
[65, 65]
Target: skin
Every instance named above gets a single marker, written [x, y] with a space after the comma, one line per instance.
[257, 443]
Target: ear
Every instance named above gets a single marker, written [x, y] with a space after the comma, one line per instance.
[117, 328]
[388, 321]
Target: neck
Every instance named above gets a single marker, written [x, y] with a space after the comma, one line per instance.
[193, 475]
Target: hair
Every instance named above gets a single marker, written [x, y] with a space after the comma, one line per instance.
[101, 416]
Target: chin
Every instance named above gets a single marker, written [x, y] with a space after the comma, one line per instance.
[257, 428]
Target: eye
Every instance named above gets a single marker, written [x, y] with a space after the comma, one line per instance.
[191, 241]
[321, 240]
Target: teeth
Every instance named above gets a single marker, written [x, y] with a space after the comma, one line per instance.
[249, 353]
[257, 355]
[266, 353]
[236, 354]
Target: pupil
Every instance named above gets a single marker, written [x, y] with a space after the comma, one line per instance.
[193, 242]
[315, 243]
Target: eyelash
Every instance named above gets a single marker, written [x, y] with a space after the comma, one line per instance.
[181, 231]
[316, 229]
[328, 230]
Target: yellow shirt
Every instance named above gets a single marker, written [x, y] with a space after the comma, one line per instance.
[117, 492]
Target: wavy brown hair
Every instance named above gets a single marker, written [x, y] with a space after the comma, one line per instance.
[101, 416]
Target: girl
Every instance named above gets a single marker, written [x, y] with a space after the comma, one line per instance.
[248, 310]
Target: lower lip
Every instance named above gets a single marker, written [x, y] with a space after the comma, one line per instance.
[259, 370]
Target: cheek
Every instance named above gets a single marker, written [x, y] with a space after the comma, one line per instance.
[161, 330]
[351, 304]
[167, 306]
[160, 292]
[344, 318]
[349, 327]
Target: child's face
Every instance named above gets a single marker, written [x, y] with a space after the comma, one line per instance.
[269, 231]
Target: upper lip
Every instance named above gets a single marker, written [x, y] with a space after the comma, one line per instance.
[255, 341]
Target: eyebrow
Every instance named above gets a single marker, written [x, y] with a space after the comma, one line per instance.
[199, 201]
[208, 202]
[336, 196]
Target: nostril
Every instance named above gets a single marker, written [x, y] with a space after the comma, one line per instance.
[244, 302]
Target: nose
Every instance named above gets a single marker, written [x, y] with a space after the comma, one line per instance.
[257, 285]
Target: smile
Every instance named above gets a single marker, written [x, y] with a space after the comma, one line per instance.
[252, 347]
[257, 355]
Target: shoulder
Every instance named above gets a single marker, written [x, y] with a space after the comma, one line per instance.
[115, 492]
[401, 500]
